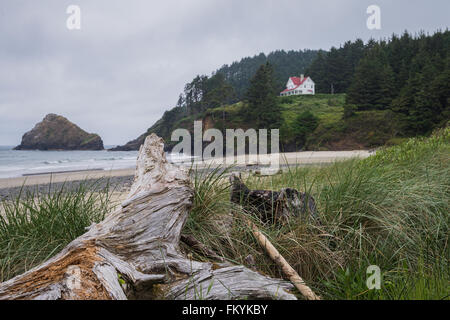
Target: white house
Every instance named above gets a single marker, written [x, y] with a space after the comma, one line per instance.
[299, 85]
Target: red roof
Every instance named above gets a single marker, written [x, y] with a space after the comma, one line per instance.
[297, 82]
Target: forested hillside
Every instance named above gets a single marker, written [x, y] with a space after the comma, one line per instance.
[226, 86]
[401, 84]
[230, 83]
[409, 75]
[285, 64]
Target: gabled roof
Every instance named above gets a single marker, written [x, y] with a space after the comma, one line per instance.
[297, 82]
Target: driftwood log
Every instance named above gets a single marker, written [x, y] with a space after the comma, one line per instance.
[135, 254]
[273, 206]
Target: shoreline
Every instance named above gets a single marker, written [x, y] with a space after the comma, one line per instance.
[122, 178]
[57, 172]
[60, 177]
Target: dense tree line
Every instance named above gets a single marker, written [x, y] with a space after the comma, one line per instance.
[406, 74]
[333, 71]
[231, 83]
[285, 64]
[205, 92]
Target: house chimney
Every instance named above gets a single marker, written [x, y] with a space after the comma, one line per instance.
[302, 76]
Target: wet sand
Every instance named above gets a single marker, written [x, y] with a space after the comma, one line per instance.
[63, 177]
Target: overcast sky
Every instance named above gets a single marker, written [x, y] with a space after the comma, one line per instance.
[131, 59]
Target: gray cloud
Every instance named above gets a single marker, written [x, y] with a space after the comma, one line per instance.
[131, 59]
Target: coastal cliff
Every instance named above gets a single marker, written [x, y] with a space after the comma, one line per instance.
[55, 132]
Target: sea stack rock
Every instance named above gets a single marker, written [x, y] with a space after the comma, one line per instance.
[57, 133]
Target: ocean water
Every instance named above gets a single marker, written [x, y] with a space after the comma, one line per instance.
[19, 163]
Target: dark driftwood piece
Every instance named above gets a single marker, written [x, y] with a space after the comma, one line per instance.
[135, 253]
[272, 206]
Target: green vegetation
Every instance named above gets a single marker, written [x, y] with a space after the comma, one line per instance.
[304, 124]
[34, 227]
[227, 86]
[390, 210]
[403, 82]
[285, 64]
[408, 75]
[263, 108]
[205, 92]
[328, 128]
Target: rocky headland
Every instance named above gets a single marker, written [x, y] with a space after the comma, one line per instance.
[57, 133]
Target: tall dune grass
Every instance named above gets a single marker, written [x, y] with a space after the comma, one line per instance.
[35, 226]
[390, 210]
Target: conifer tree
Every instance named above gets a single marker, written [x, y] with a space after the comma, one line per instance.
[373, 84]
[304, 125]
[263, 107]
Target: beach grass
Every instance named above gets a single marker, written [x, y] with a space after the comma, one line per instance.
[390, 210]
[34, 226]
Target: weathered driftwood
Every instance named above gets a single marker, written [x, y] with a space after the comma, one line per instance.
[272, 206]
[135, 253]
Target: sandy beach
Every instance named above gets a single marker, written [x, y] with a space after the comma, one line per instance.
[291, 158]
[125, 175]
[63, 177]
